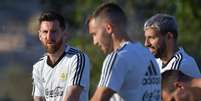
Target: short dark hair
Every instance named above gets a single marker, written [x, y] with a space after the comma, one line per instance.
[171, 76]
[111, 12]
[51, 15]
[163, 23]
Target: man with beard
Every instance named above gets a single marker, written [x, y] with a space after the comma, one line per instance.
[129, 69]
[62, 74]
[161, 33]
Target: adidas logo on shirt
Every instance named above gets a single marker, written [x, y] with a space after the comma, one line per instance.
[151, 76]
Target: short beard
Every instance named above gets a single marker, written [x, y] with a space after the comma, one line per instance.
[157, 55]
[107, 41]
[161, 50]
[54, 48]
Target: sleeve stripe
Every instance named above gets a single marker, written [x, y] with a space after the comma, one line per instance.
[174, 63]
[82, 67]
[72, 51]
[107, 69]
[177, 62]
[109, 74]
[104, 70]
[79, 69]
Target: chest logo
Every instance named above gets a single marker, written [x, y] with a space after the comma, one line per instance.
[63, 76]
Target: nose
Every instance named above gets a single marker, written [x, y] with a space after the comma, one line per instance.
[146, 42]
[95, 41]
[51, 36]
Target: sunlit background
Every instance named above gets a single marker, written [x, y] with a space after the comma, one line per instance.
[20, 47]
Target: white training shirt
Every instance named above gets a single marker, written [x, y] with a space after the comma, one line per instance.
[132, 72]
[181, 61]
[52, 82]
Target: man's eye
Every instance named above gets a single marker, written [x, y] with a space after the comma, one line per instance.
[152, 37]
[44, 32]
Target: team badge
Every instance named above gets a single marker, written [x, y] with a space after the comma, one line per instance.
[63, 76]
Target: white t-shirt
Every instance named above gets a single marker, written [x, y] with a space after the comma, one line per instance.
[52, 82]
[181, 61]
[132, 72]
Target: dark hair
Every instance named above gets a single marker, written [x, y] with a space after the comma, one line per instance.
[169, 77]
[111, 12]
[51, 16]
[163, 23]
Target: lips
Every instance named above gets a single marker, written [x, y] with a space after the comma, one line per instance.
[51, 42]
[151, 49]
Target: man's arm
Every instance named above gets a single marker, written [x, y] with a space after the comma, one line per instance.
[37, 90]
[73, 93]
[102, 94]
[38, 98]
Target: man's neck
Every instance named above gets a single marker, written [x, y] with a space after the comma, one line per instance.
[55, 56]
[169, 53]
[118, 44]
[118, 40]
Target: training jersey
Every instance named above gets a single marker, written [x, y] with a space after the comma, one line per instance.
[52, 82]
[132, 72]
[183, 62]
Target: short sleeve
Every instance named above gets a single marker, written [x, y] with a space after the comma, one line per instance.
[190, 68]
[38, 89]
[113, 73]
[79, 74]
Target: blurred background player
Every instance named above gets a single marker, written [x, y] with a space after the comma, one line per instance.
[129, 69]
[161, 33]
[177, 86]
[63, 73]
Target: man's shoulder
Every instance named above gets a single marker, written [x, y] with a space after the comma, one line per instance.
[184, 54]
[185, 57]
[75, 54]
[184, 62]
[73, 51]
[40, 61]
[126, 49]
[138, 48]
[132, 51]
[136, 51]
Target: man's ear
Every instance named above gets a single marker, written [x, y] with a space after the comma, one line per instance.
[39, 35]
[179, 85]
[108, 28]
[65, 35]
